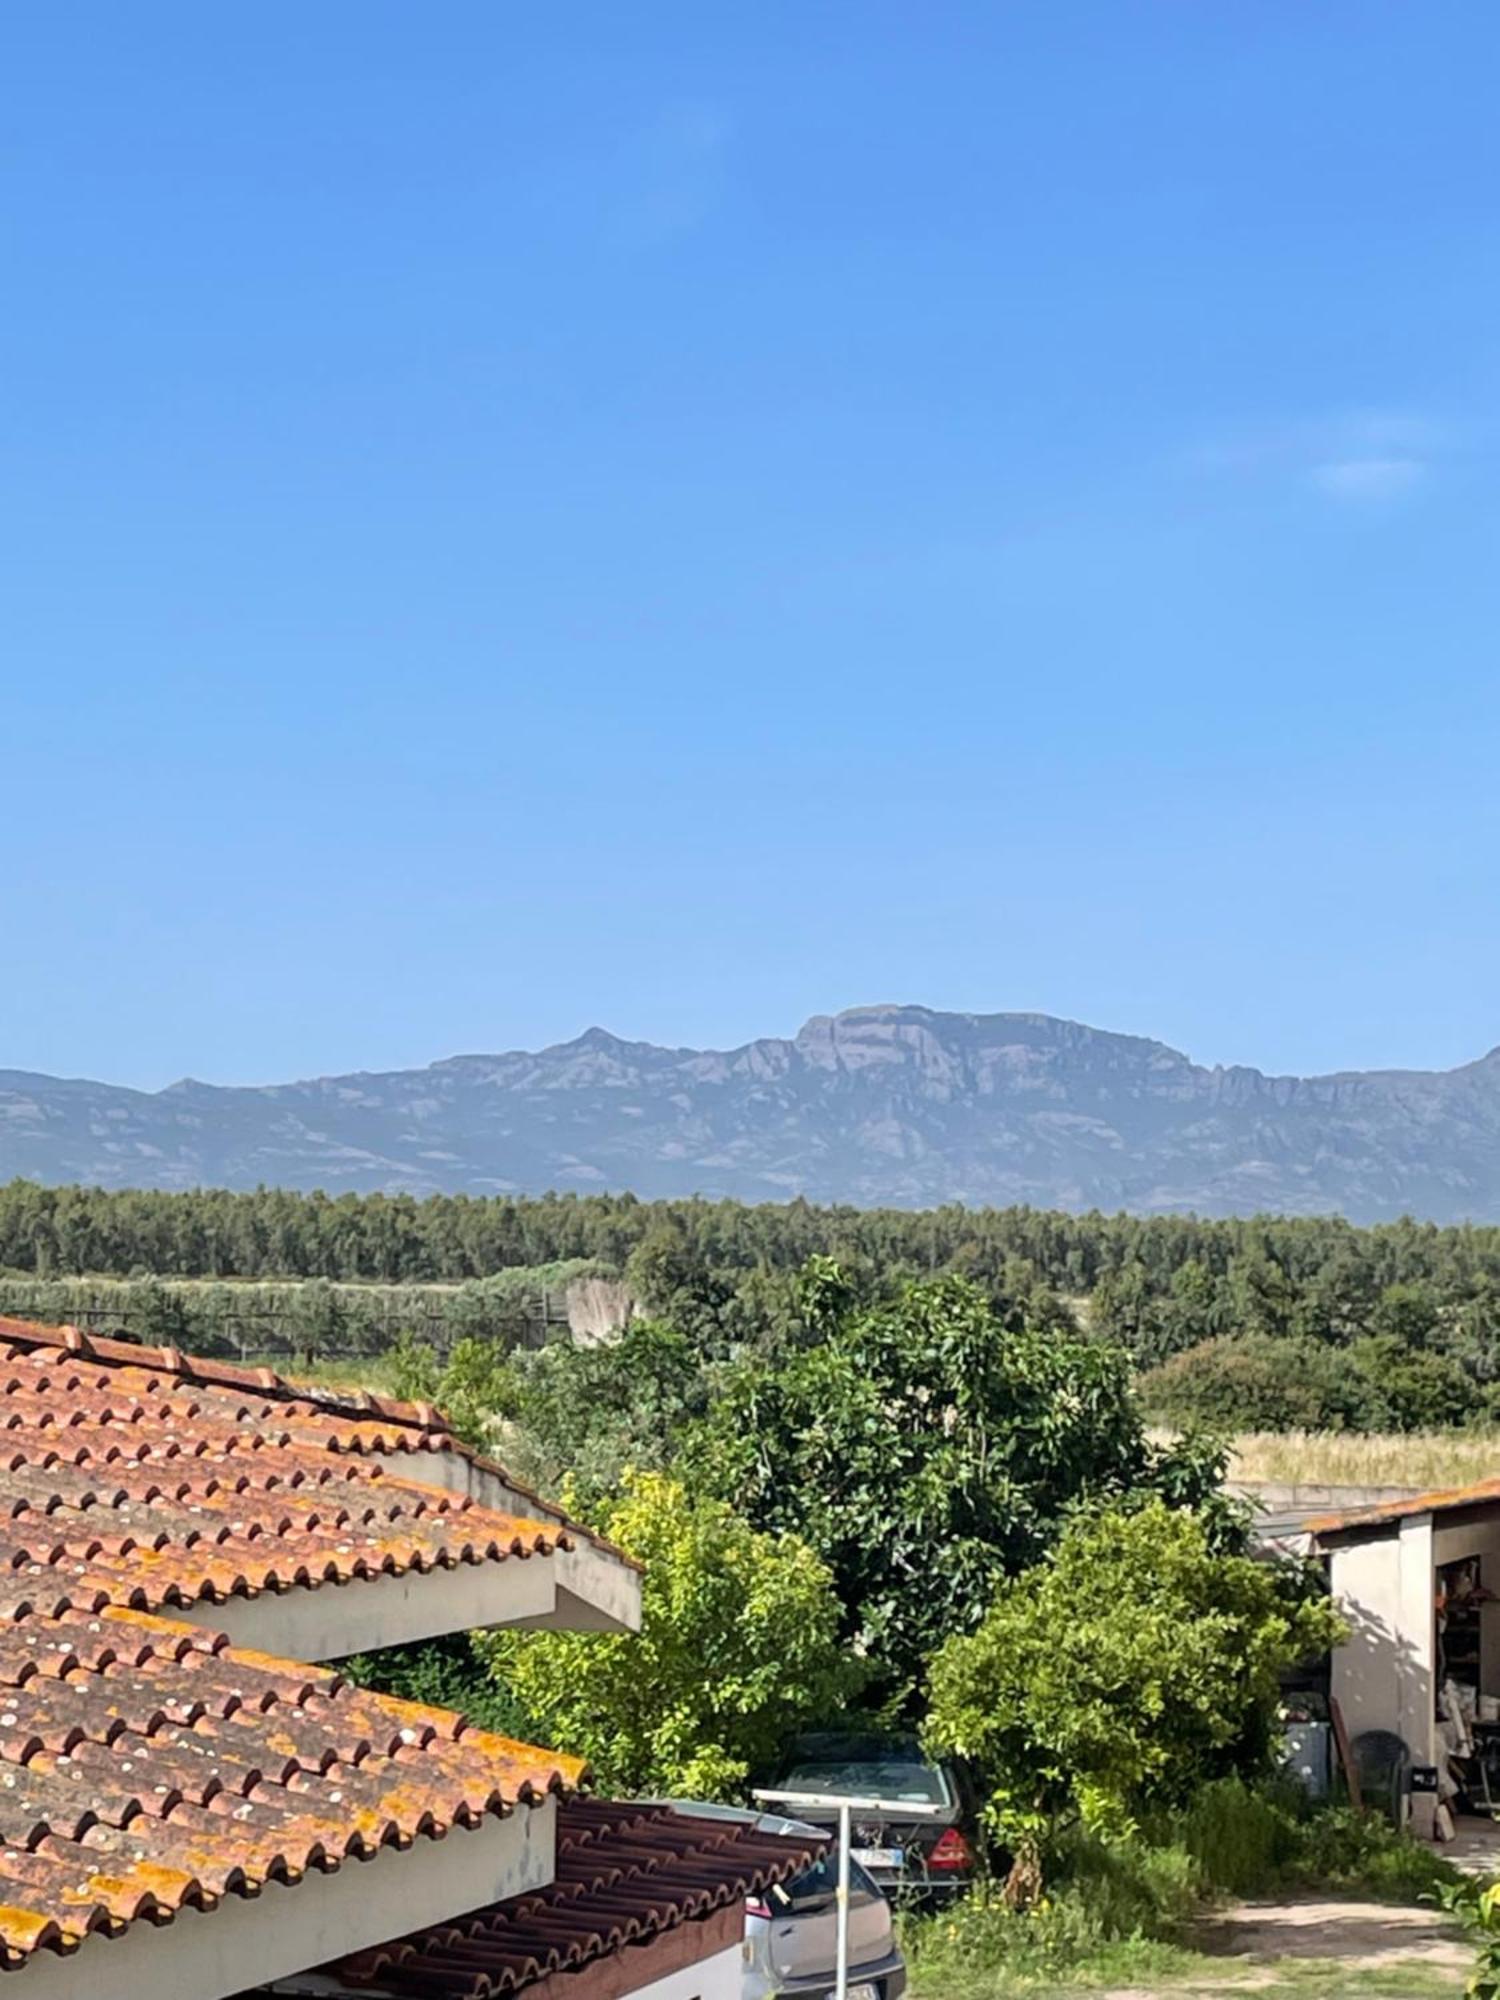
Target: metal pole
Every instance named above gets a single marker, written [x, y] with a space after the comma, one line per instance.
[841, 1975]
[843, 1806]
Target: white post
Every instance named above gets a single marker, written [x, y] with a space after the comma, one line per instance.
[841, 1975]
[834, 1802]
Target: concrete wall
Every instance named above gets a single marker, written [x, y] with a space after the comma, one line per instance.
[206, 1955]
[716, 1978]
[331, 1620]
[1278, 1496]
[1383, 1677]
[599, 1310]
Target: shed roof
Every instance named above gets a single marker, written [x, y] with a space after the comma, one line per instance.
[1386, 1513]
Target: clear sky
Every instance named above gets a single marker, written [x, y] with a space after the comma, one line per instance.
[687, 516]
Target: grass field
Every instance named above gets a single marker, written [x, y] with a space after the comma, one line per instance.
[1418, 1459]
[1130, 1974]
[372, 1373]
[1299, 1949]
[1142, 1973]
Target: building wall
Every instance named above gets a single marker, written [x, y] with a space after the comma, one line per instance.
[332, 1620]
[1383, 1677]
[597, 1591]
[716, 1978]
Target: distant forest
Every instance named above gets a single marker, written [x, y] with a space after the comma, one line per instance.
[1244, 1322]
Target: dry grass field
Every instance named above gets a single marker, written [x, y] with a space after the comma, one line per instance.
[1417, 1459]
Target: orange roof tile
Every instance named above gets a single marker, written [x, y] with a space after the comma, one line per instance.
[137, 1476]
[147, 1766]
[337, 1420]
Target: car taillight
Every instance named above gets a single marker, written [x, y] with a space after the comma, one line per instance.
[951, 1850]
[755, 1907]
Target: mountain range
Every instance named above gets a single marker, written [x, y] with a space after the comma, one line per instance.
[878, 1106]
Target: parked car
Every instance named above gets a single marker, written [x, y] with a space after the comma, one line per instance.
[791, 1941]
[923, 1859]
[791, 1938]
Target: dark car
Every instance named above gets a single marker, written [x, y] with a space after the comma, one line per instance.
[909, 1856]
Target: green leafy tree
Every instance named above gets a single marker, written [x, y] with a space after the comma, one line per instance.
[1256, 1382]
[925, 1449]
[1126, 1670]
[672, 1282]
[585, 1414]
[738, 1647]
[319, 1321]
[1409, 1389]
[475, 1389]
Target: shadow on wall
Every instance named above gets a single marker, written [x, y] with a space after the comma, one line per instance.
[1381, 1680]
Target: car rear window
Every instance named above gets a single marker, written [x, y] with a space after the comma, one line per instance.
[902, 1780]
[819, 1884]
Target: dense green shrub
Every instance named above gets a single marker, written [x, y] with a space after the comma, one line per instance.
[1251, 1382]
[1118, 1675]
[1261, 1382]
[1140, 1893]
[588, 1413]
[1241, 1837]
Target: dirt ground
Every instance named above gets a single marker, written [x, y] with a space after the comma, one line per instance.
[1322, 1949]
[1360, 1935]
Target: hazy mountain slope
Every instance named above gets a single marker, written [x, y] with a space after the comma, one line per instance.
[880, 1105]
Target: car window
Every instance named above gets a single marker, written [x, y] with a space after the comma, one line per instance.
[903, 1780]
[819, 1884]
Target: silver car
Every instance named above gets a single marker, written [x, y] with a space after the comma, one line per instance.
[791, 1934]
[791, 1943]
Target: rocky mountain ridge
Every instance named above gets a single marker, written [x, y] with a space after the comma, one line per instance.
[893, 1105]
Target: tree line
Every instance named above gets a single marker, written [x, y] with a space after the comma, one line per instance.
[403, 1239]
[1258, 1322]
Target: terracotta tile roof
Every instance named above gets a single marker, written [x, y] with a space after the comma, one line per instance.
[1440, 1501]
[136, 1476]
[148, 1766]
[209, 1374]
[626, 1874]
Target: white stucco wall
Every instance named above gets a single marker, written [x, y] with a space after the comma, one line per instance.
[1383, 1677]
[582, 1589]
[332, 1620]
[716, 1978]
[206, 1955]
[597, 1591]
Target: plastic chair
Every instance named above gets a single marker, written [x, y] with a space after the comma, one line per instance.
[1384, 1764]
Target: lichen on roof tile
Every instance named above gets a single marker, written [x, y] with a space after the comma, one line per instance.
[148, 1764]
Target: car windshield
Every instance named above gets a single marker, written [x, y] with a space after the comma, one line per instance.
[902, 1780]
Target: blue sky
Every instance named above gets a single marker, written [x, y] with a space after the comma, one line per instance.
[686, 517]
